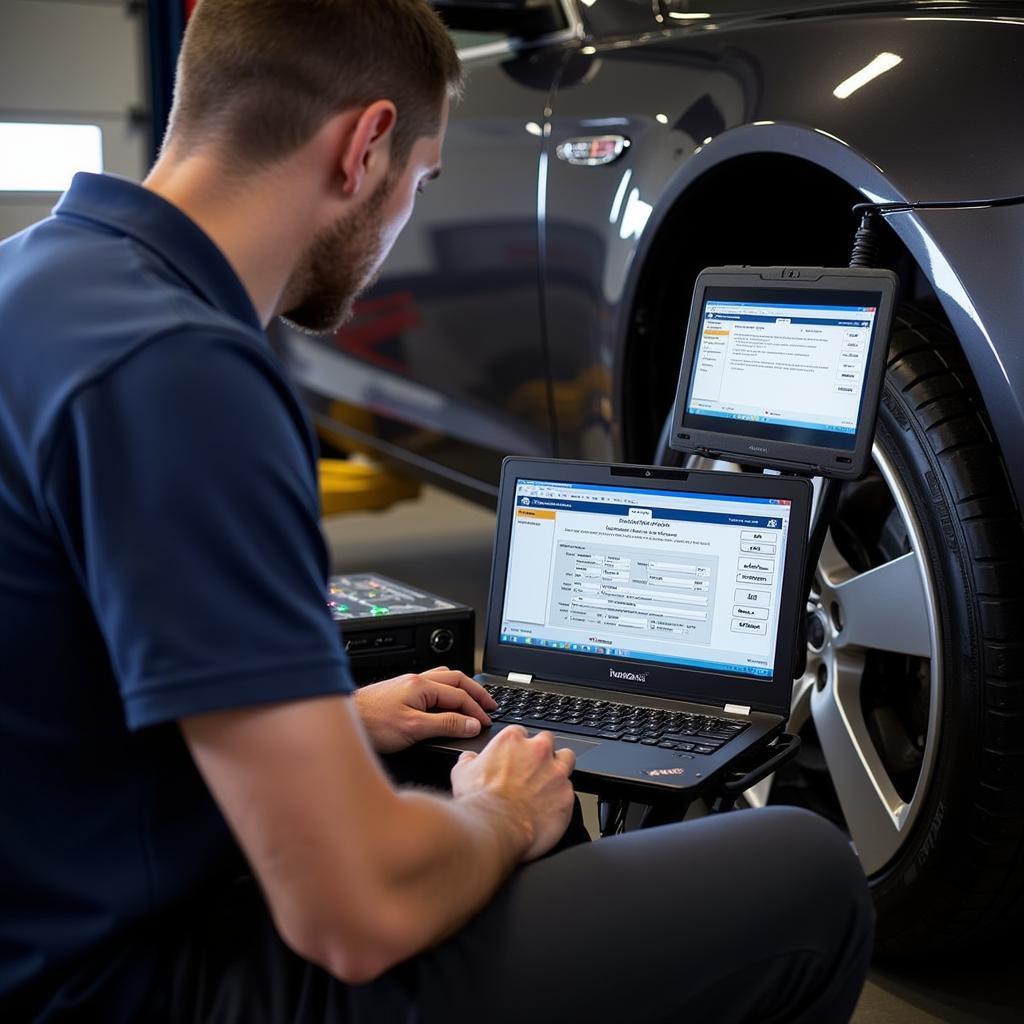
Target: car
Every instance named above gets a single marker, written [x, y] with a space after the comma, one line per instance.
[608, 150]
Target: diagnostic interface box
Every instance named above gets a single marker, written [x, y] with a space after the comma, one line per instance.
[783, 367]
[391, 628]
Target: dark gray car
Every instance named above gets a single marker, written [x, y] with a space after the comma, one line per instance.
[606, 151]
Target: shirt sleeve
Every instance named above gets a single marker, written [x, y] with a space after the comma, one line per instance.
[183, 485]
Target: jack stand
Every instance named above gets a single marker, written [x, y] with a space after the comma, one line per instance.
[824, 513]
[359, 485]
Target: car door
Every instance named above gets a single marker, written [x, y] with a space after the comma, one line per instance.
[444, 363]
[636, 102]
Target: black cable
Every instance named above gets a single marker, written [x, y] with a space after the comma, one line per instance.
[866, 241]
[949, 204]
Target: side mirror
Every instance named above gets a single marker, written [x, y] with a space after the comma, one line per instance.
[523, 18]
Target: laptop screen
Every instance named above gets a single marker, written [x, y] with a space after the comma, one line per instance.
[646, 574]
[784, 366]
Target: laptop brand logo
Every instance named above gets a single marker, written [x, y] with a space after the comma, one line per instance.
[629, 677]
[757, 448]
[656, 772]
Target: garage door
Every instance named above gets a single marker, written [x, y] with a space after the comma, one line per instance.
[65, 64]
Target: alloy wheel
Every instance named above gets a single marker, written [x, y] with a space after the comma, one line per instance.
[862, 617]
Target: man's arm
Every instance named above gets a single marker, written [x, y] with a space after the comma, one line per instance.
[360, 876]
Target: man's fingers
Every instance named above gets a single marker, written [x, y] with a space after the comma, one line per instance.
[463, 682]
[510, 733]
[567, 757]
[465, 758]
[444, 723]
[451, 698]
[545, 739]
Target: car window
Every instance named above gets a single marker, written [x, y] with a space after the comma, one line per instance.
[618, 17]
[553, 11]
[698, 10]
[467, 40]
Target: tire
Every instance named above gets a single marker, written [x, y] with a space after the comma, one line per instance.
[958, 879]
[944, 725]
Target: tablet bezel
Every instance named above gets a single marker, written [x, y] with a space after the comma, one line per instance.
[750, 448]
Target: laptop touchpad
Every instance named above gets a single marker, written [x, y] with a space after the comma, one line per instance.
[574, 743]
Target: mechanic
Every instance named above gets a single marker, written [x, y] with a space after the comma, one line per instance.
[176, 714]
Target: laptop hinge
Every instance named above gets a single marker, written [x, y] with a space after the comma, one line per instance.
[520, 677]
[737, 709]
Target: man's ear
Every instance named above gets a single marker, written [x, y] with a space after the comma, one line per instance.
[365, 151]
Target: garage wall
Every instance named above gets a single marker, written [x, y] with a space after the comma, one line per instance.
[73, 62]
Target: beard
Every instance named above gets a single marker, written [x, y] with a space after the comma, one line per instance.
[341, 262]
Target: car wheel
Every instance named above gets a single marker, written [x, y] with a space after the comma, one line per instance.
[912, 705]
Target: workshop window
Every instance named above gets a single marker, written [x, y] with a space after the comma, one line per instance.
[45, 157]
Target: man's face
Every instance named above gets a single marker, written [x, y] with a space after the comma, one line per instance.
[345, 258]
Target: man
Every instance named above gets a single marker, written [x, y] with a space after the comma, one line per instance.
[162, 609]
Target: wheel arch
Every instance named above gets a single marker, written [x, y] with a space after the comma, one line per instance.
[789, 189]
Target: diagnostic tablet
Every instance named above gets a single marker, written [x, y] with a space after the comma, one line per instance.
[783, 367]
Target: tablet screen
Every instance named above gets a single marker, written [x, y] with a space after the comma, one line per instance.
[785, 364]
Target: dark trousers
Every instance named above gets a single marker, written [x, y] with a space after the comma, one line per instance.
[759, 916]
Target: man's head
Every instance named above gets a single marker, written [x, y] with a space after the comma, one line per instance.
[364, 83]
[344, 257]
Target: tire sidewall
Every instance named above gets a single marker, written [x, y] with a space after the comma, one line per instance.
[909, 890]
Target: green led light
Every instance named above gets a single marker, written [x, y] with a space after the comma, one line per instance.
[379, 611]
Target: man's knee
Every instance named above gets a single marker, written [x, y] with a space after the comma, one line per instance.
[817, 843]
[825, 874]
[788, 868]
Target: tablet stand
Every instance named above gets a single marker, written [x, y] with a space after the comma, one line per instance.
[824, 514]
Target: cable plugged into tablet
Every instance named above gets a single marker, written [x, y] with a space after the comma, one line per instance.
[865, 242]
[864, 255]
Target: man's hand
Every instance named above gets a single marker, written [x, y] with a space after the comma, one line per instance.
[529, 776]
[399, 712]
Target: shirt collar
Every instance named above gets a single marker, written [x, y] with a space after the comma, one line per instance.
[159, 225]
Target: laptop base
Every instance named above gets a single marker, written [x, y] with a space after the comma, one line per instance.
[662, 805]
[637, 771]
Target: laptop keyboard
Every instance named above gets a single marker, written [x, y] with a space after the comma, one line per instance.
[605, 719]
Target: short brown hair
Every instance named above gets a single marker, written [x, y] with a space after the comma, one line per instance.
[261, 77]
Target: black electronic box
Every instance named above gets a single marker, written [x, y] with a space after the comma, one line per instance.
[391, 628]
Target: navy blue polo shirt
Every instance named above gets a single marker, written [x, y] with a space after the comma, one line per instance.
[160, 557]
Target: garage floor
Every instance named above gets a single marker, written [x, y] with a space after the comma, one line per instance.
[444, 544]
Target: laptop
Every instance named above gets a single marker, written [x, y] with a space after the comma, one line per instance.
[645, 616]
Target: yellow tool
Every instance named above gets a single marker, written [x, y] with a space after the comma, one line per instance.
[359, 485]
